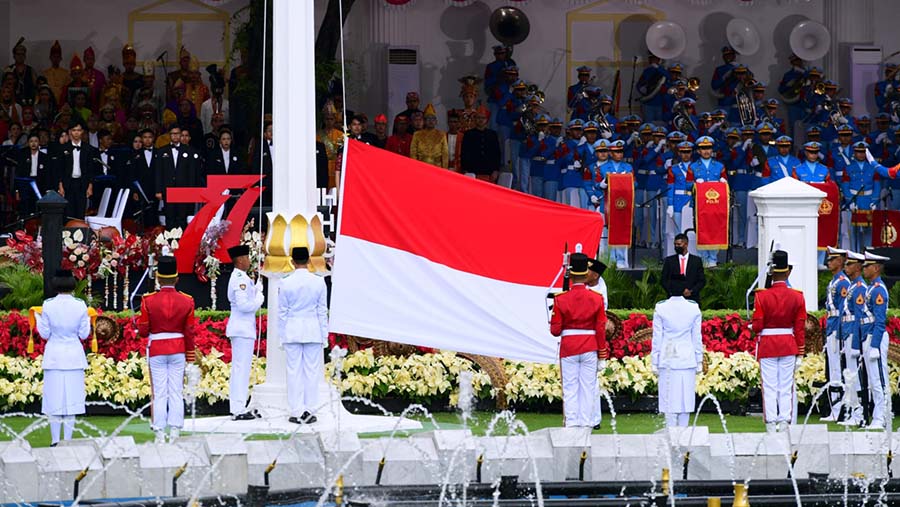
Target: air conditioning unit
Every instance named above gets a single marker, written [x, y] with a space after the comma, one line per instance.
[865, 63]
[402, 77]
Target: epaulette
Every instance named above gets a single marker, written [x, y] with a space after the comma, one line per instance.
[759, 289]
[798, 290]
[186, 294]
[554, 294]
[150, 293]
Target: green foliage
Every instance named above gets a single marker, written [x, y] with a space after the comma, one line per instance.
[626, 292]
[824, 278]
[894, 296]
[726, 286]
[26, 289]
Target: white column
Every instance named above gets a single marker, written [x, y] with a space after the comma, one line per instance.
[788, 212]
[849, 22]
[294, 165]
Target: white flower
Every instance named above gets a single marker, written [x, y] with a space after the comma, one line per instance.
[79, 236]
[160, 240]
[73, 258]
[174, 244]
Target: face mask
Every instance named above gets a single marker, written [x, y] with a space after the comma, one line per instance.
[680, 250]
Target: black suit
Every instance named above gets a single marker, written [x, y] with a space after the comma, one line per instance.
[138, 171]
[266, 198]
[178, 169]
[321, 166]
[215, 164]
[45, 179]
[76, 187]
[693, 278]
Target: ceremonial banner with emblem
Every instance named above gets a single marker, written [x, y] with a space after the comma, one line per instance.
[426, 256]
[712, 207]
[620, 209]
[885, 226]
[829, 214]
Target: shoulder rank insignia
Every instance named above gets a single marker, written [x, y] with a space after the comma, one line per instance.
[843, 292]
[243, 286]
[860, 300]
[186, 294]
[879, 300]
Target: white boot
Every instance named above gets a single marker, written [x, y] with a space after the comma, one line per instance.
[160, 436]
[771, 427]
[174, 433]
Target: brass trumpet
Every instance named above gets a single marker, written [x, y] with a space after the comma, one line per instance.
[693, 84]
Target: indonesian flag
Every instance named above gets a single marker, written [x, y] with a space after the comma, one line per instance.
[426, 256]
[712, 212]
[829, 214]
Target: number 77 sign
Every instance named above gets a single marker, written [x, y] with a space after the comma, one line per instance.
[213, 197]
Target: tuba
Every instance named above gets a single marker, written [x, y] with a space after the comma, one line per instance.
[746, 107]
[682, 118]
[509, 25]
[835, 116]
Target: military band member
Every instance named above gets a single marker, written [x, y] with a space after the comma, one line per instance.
[875, 341]
[676, 355]
[167, 319]
[708, 169]
[680, 180]
[245, 297]
[789, 88]
[836, 293]
[579, 318]
[851, 315]
[303, 327]
[615, 165]
[779, 320]
[576, 96]
[723, 80]
[569, 160]
[64, 323]
[652, 87]
[782, 165]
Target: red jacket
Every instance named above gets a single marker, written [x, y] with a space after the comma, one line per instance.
[580, 309]
[168, 311]
[779, 307]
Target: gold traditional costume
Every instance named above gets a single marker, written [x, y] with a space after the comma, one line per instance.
[429, 145]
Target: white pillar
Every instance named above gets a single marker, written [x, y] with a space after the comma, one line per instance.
[788, 212]
[848, 22]
[294, 160]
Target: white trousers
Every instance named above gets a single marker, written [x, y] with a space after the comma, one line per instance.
[167, 384]
[835, 375]
[855, 412]
[304, 369]
[778, 388]
[677, 419]
[239, 383]
[879, 382]
[579, 385]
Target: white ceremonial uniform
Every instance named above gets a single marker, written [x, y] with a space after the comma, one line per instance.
[601, 289]
[245, 297]
[677, 352]
[303, 327]
[64, 323]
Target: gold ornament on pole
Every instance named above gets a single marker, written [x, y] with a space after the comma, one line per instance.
[289, 232]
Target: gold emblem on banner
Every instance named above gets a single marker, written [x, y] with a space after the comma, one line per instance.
[621, 203]
[712, 196]
[888, 234]
[826, 207]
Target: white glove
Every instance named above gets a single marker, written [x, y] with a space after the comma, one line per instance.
[668, 164]
[715, 126]
[874, 354]
[659, 146]
[747, 144]
[821, 156]
[601, 365]
[606, 135]
[633, 136]
[603, 183]
[881, 137]
[541, 136]
[699, 180]
[577, 164]
[872, 206]
[869, 156]
[723, 180]
[564, 170]
[854, 353]
[754, 162]
[651, 144]
[852, 206]
[670, 211]
[595, 200]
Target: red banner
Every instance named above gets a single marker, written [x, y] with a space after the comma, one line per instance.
[712, 212]
[620, 209]
[829, 214]
[884, 228]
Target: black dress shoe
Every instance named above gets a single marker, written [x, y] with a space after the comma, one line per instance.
[256, 414]
[308, 418]
[246, 416]
[295, 420]
[597, 426]
[54, 444]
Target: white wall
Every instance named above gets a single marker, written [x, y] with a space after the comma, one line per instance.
[104, 24]
[455, 41]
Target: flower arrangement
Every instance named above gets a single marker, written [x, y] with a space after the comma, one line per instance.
[76, 254]
[206, 264]
[255, 241]
[24, 250]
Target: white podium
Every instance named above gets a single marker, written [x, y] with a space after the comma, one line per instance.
[788, 213]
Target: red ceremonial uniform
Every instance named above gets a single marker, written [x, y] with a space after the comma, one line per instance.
[172, 312]
[779, 308]
[580, 309]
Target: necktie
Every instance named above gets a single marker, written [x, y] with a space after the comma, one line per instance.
[682, 259]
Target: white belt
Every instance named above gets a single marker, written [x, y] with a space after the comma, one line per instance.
[851, 318]
[834, 313]
[165, 336]
[682, 192]
[867, 192]
[643, 171]
[578, 332]
[867, 320]
[776, 330]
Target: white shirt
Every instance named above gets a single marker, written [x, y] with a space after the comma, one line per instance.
[148, 156]
[175, 154]
[76, 160]
[677, 343]
[104, 156]
[600, 288]
[271, 150]
[245, 297]
[226, 158]
[64, 322]
[34, 165]
[302, 308]
[451, 142]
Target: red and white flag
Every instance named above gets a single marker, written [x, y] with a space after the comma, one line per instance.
[429, 257]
